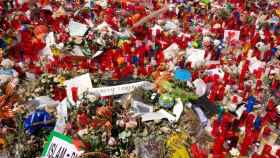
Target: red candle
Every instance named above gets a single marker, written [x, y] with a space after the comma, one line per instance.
[74, 91]
[215, 128]
[274, 84]
[266, 150]
[218, 146]
[197, 152]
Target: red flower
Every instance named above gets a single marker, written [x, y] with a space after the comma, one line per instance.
[59, 93]
[83, 119]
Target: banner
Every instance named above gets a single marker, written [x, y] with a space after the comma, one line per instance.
[61, 146]
[120, 89]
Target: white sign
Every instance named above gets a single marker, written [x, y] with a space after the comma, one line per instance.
[231, 35]
[195, 56]
[60, 146]
[77, 29]
[171, 51]
[120, 89]
[83, 83]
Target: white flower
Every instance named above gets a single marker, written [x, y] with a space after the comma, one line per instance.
[43, 80]
[234, 152]
[56, 79]
[82, 132]
[91, 98]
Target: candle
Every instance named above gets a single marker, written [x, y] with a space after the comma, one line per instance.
[197, 152]
[74, 91]
[218, 145]
[257, 123]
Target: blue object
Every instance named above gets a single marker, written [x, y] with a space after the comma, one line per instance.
[250, 103]
[135, 59]
[38, 120]
[183, 75]
[257, 123]
[3, 44]
[273, 50]
[8, 72]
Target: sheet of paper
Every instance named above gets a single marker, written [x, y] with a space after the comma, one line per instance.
[178, 109]
[61, 146]
[77, 29]
[217, 71]
[120, 89]
[195, 56]
[50, 40]
[83, 83]
[43, 101]
[230, 35]
[139, 108]
[62, 115]
[200, 87]
[255, 64]
[171, 51]
[161, 114]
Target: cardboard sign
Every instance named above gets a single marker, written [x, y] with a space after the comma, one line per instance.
[61, 146]
[120, 89]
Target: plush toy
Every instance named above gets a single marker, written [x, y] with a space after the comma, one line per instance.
[6, 71]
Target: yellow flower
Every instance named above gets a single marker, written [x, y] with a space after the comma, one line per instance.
[176, 139]
[56, 52]
[61, 80]
[180, 152]
[121, 42]
[176, 144]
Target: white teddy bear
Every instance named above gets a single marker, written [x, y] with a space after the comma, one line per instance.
[6, 71]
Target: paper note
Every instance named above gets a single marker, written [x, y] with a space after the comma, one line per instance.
[61, 146]
[178, 109]
[195, 56]
[83, 83]
[120, 89]
[139, 108]
[231, 35]
[43, 101]
[200, 87]
[217, 71]
[77, 29]
[182, 74]
[161, 114]
[171, 51]
[62, 114]
[255, 64]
